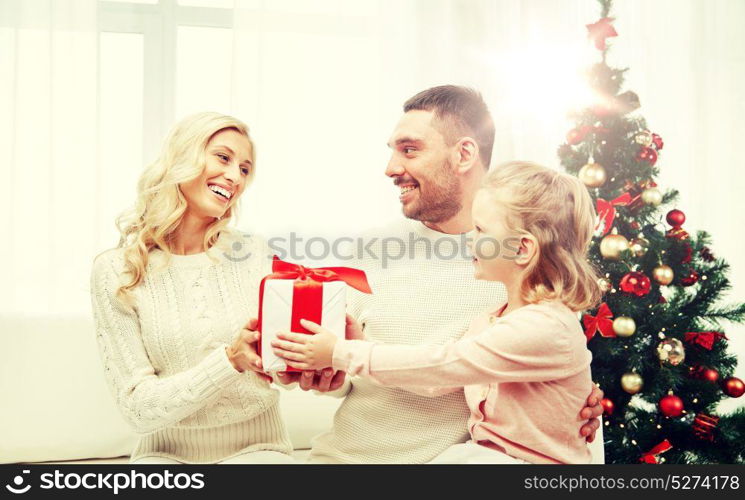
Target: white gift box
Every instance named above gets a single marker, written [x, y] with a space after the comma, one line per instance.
[276, 314]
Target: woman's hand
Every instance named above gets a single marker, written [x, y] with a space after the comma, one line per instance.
[303, 351]
[354, 329]
[242, 352]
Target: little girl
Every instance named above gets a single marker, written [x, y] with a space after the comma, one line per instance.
[524, 365]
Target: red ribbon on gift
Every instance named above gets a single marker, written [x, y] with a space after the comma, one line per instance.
[599, 323]
[704, 339]
[307, 291]
[652, 456]
[607, 211]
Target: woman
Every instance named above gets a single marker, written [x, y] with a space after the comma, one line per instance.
[172, 306]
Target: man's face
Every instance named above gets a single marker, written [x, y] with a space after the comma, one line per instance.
[421, 167]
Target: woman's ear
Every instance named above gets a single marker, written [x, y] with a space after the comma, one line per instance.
[527, 250]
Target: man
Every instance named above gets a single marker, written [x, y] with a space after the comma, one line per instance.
[441, 150]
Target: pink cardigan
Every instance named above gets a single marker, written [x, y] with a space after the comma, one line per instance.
[526, 376]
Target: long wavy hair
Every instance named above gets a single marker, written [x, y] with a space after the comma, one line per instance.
[160, 205]
[556, 209]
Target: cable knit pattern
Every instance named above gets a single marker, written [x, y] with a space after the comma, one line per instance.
[165, 360]
[417, 299]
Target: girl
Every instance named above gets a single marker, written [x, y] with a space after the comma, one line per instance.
[524, 365]
[171, 300]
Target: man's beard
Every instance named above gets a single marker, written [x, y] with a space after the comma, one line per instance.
[440, 201]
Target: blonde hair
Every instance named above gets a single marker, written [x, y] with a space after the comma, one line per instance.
[556, 209]
[160, 205]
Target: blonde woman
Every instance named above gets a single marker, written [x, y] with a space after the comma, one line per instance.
[172, 306]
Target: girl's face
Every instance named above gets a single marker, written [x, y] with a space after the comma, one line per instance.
[494, 246]
[228, 164]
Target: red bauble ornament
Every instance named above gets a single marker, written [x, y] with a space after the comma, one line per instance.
[690, 279]
[710, 375]
[671, 406]
[635, 283]
[657, 142]
[635, 225]
[608, 406]
[676, 218]
[704, 373]
[733, 387]
[647, 154]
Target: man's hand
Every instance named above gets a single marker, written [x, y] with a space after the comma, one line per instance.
[591, 412]
[325, 381]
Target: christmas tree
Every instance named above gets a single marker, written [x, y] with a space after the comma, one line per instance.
[658, 340]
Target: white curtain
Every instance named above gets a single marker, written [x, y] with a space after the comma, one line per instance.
[88, 89]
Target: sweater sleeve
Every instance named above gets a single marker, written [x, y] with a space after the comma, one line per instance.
[528, 345]
[147, 402]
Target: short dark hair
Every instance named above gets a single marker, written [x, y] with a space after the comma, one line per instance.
[462, 111]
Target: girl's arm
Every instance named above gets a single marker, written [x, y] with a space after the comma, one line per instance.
[147, 402]
[529, 345]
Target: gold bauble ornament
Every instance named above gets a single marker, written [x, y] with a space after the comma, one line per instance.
[592, 175]
[632, 382]
[644, 138]
[639, 246]
[663, 274]
[652, 196]
[605, 285]
[624, 326]
[671, 351]
[613, 245]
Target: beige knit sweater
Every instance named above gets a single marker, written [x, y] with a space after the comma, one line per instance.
[165, 360]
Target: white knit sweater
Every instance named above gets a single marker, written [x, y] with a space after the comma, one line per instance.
[165, 361]
[418, 299]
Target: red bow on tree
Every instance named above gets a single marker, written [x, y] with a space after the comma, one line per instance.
[599, 31]
[607, 212]
[600, 323]
[652, 456]
[704, 339]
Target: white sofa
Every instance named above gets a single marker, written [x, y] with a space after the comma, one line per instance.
[56, 406]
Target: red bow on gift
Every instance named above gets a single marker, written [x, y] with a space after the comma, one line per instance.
[652, 456]
[601, 322]
[352, 277]
[704, 339]
[607, 212]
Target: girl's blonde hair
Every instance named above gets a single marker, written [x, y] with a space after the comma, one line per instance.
[556, 209]
[160, 205]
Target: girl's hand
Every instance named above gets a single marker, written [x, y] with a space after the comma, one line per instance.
[303, 351]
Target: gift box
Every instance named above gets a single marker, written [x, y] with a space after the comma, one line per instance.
[293, 292]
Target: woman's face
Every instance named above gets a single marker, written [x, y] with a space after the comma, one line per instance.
[229, 162]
